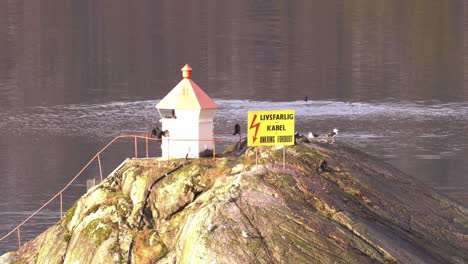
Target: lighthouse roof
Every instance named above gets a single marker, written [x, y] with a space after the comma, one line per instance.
[187, 95]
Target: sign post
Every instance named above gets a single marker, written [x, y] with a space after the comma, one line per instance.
[271, 128]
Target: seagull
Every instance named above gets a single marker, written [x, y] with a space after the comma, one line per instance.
[211, 227]
[312, 135]
[333, 133]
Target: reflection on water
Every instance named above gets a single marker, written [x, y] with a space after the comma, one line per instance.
[391, 75]
[63, 52]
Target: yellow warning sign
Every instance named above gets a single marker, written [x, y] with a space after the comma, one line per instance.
[270, 127]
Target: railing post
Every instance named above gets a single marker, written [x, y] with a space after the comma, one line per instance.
[245, 158]
[147, 155]
[214, 150]
[61, 206]
[19, 238]
[160, 144]
[100, 168]
[136, 148]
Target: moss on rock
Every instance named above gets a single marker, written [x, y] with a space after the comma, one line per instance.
[148, 248]
[97, 231]
[65, 221]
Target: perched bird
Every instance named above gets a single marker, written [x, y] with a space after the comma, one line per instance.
[333, 133]
[312, 135]
[155, 132]
[236, 130]
[164, 133]
[323, 166]
[212, 227]
[245, 234]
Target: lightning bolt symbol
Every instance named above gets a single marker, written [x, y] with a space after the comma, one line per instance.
[256, 125]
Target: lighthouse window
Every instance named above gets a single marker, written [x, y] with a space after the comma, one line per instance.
[167, 113]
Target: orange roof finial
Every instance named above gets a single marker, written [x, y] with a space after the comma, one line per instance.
[186, 71]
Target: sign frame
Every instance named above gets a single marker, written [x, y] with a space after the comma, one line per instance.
[271, 127]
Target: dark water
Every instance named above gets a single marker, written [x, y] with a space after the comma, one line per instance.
[391, 75]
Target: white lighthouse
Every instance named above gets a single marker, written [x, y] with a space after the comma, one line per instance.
[187, 113]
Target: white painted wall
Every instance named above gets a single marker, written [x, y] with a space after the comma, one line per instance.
[185, 132]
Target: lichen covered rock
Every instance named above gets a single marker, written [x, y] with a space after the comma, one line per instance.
[9, 258]
[229, 210]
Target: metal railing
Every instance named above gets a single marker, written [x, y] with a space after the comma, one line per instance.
[97, 157]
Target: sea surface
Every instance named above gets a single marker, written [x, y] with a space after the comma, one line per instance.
[392, 76]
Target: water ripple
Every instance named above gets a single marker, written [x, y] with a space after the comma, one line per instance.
[116, 118]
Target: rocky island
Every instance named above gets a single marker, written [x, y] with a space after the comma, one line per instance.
[330, 203]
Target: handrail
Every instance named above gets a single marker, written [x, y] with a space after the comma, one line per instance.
[145, 136]
[64, 188]
[224, 133]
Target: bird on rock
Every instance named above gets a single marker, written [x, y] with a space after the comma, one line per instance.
[312, 135]
[333, 133]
